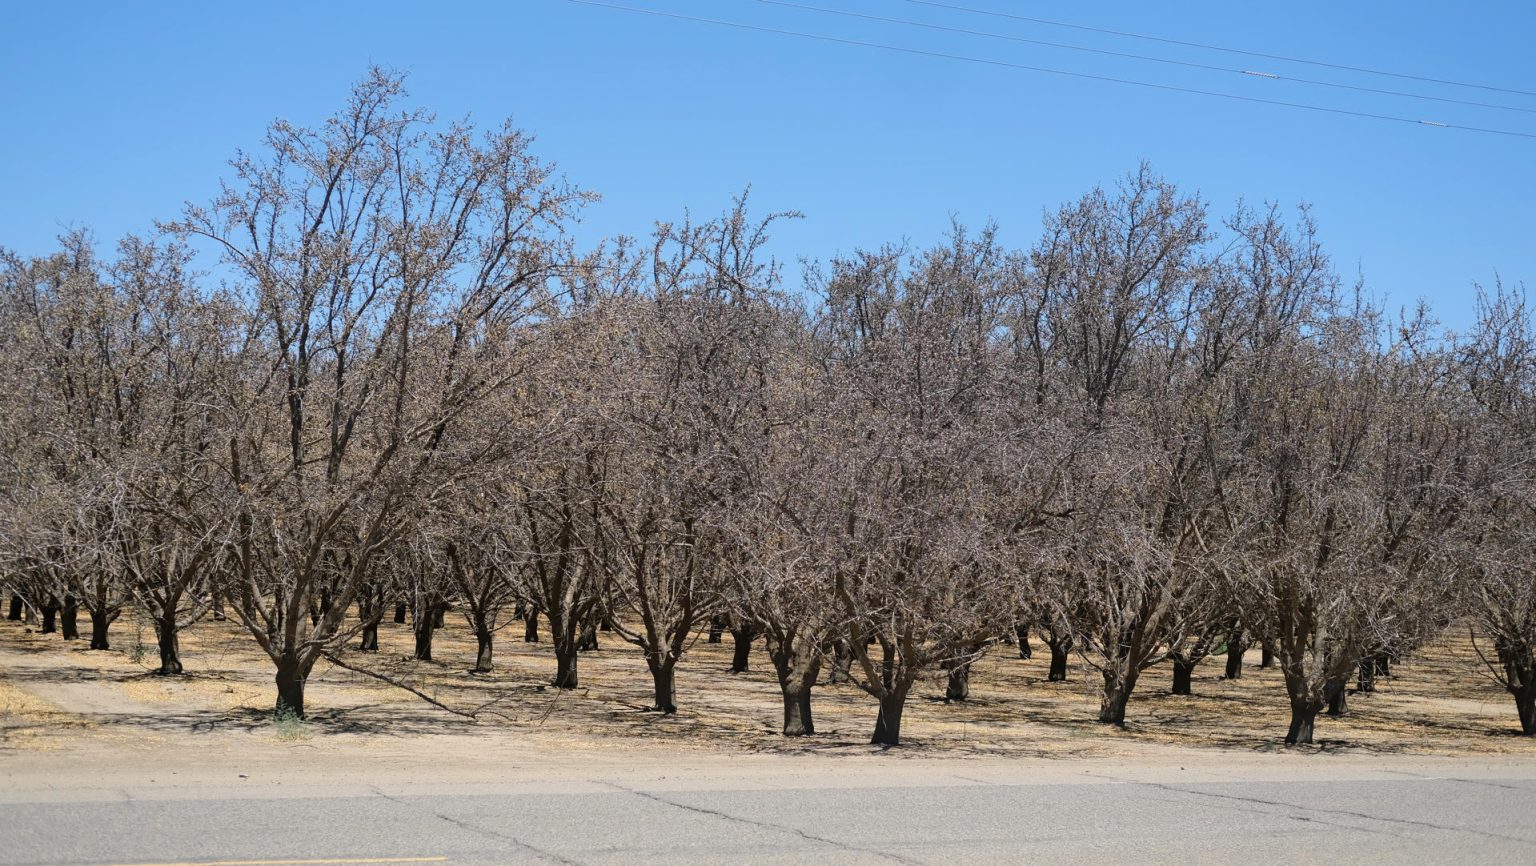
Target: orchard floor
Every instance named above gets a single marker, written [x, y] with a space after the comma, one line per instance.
[57, 695]
[103, 762]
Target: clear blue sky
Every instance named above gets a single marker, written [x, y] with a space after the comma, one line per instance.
[115, 113]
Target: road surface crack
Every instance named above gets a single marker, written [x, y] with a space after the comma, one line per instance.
[766, 825]
[1342, 813]
[1487, 783]
[482, 831]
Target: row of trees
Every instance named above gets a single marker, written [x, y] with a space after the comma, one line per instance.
[1145, 437]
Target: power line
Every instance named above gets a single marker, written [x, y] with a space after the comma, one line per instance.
[1168, 61]
[1047, 70]
[1204, 46]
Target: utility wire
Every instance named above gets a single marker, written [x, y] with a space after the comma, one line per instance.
[1062, 72]
[1201, 45]
[1102, 51]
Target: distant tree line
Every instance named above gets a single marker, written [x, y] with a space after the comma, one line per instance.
[400, 388]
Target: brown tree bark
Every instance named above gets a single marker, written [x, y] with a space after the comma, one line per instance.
[99, 626]
[888, 723]
[169, 643]
[1303, 720]
[741, 654]
[484, 646]
[797, 665]
[1235, 650]
[1336, 694]
[1021, 634]
[1117, 693]
[1367, 681]
[841, 659]
[664, 677]
[1525, 705]
[291, 676]
[1183, 674]
[1060, 647]
[103, 613]
[1519, 664]
[69, 618]
[426, 624]
[958, 687]
[370, 611]
[567, 662]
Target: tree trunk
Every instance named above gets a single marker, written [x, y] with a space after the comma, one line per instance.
[69, 618]
[484, 638]
[50, 613]
[531, 625]
[959, 686]
[400, 610]
[841, 664]
[797, 710]
[1117, 693]
[1267, 659]
[716, 628]
[588, 642]
[1384, 664]
[1059, 650]
[1303, 719]
[99, 624]
[290, 688]
[369, 617]
[1335, 692]
[218, 607]
[1021, 634]
[1367, 675]
[15, 612]
[1519, 664]
[741, 656]
[170, 647]
[798, 666]
[1525, 704]
[664, 676]
[888, 723]
[426, 624]
[1183, 673]
[567, 658]
[370, 637]
[438, 613]
[1235, 651]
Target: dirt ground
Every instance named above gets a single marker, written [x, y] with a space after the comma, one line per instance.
[57, 695]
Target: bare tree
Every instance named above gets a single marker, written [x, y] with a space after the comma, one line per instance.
[1108, 329]
[919, 570]
[385, 267]
[1497, 366]
[1349, 503]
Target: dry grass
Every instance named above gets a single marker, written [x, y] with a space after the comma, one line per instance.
[27, 721]
[1436, 703]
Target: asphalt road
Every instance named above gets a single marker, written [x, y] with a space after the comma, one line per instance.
[1101, 820]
